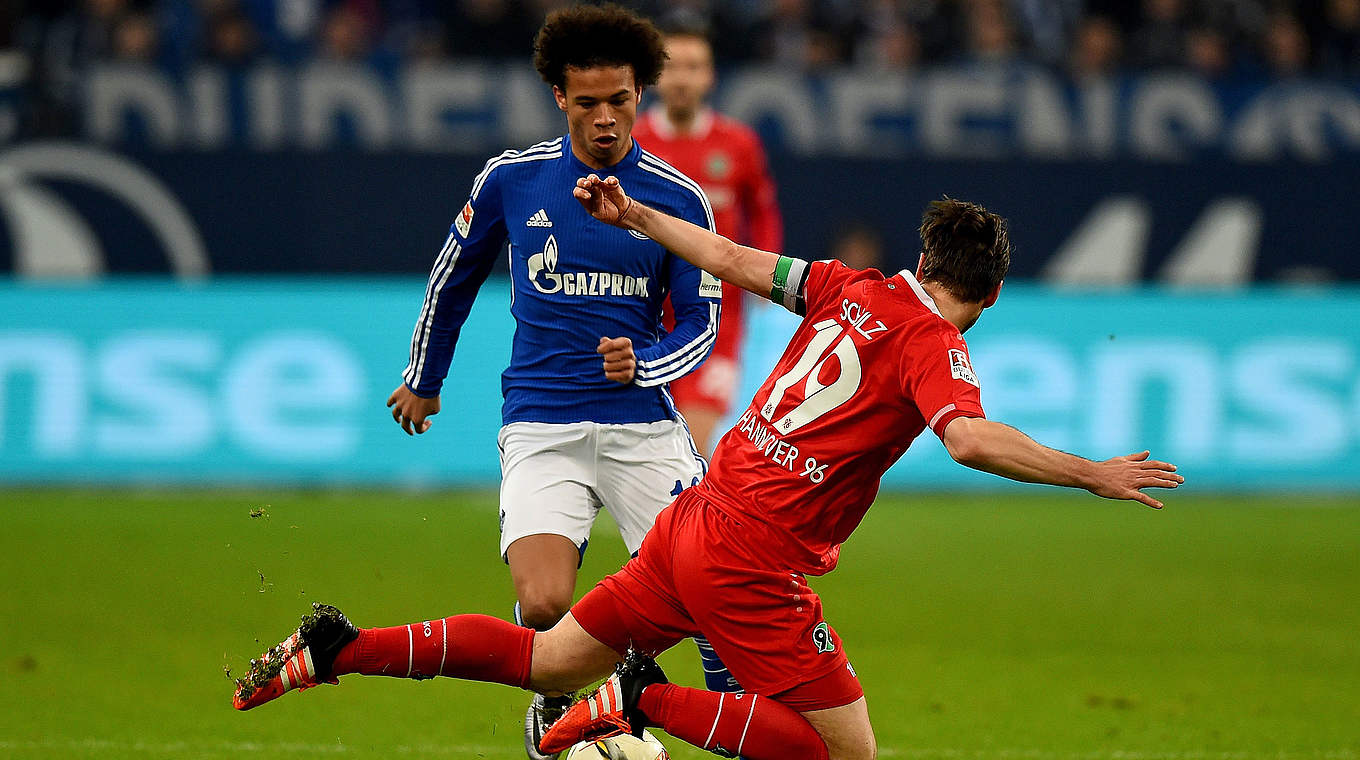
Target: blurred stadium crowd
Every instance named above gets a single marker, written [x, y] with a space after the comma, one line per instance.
[49, 39]
[46, 45]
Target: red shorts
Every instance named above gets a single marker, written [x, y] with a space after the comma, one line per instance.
[696, 574]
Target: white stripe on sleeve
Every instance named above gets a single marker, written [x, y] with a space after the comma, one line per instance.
[666, 368]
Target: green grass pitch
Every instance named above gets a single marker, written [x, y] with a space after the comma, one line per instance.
[1030, 625]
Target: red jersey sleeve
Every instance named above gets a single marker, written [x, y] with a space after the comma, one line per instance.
[938, 376]
[825, 279]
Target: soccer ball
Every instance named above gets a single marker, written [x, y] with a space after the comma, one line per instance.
[621, 747]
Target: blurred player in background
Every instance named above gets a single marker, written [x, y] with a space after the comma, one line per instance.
[727, 160]
[875, 361]
[588, 421]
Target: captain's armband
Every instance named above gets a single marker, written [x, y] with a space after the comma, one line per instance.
[790, 277]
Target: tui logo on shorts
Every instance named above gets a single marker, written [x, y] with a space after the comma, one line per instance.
[546, 279]
[821, 638]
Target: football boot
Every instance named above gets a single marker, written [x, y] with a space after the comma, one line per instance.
[610, 710]
[301, 661]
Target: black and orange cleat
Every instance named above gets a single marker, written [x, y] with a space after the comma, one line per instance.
[301, 661]
[610, 710]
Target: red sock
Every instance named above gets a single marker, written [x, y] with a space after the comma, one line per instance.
[741, 724]
[474, 647]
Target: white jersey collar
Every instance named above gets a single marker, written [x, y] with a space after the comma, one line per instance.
[665, 128]
[920, 292]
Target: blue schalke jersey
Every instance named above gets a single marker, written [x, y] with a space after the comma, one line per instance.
[575, 280]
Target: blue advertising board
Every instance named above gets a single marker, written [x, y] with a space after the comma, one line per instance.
[283, 381]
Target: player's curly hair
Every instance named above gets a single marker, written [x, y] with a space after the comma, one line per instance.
[967, 248]
[585, 36]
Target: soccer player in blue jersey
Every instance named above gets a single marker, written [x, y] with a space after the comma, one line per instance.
[587, 420]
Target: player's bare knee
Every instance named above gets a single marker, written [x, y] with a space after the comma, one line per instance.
[541, 611]
[847, 731]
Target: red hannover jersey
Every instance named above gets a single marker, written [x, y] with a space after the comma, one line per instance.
[871, 366]
[725, 157]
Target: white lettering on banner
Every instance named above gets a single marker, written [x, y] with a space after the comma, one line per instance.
[957, 100]
[1032, 384]
[1174, 116]
[1177, 380]
[1281, 403]
[1283, 385]
[51, 366]
[284, 397]
[1280, 406]
[328, 89]
[432, 93]
[114, 92]
[295, 397]
[158, 406]
[947, 112]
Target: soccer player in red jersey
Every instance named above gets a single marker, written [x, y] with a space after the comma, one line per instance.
[876, 361]
[726, 158]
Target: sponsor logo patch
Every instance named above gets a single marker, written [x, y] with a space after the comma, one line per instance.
[464, 221]
[539, 219]
[709, 286]
[821, 638]
[960, 368]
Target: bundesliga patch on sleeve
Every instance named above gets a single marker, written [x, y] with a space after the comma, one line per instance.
[960, 368]
[709, 286]
[464, 221]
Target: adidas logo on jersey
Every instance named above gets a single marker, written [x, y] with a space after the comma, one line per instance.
[539, 219]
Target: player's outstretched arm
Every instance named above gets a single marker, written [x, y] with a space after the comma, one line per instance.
[747, 268]
[1002, 450]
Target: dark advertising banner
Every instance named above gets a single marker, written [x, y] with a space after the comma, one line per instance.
[74, 209]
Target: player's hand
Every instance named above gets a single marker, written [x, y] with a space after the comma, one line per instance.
[1125, 478]
[411, 411]
[604, 199]
[619, 361]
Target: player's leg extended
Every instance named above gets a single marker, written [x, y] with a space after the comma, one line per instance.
[472, 647]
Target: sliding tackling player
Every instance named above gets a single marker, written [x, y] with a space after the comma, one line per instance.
[875, 362]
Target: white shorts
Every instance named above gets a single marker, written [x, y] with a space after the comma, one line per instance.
[555, 478]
